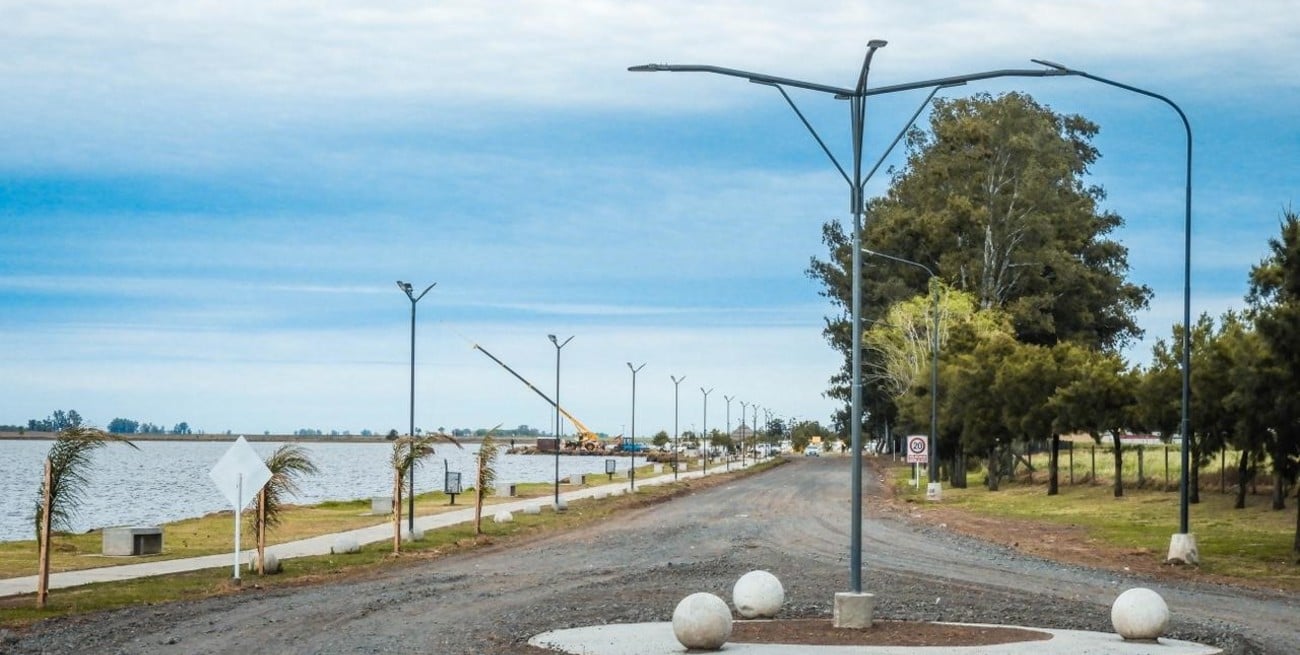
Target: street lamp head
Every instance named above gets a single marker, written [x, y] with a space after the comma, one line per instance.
[877, 43]
[553, 339]
[645, 68]
[1051, 64]
[404, 286]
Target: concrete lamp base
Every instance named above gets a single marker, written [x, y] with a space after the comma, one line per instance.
[853, 610]
[1182, 549]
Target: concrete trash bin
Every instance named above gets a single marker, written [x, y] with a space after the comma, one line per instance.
[130, 541]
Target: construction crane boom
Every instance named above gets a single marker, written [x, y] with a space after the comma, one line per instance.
[583, 433]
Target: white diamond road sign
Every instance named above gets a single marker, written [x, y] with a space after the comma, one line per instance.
[240, 474]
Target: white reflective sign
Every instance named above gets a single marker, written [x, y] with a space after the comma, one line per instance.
[240, 474]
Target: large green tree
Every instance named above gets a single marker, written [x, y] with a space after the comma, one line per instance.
[993, 198]
[1275, 297]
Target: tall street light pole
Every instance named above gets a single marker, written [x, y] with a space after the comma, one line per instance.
[558, 346]
[933, 465]
[728, 399]
[857, 97]
[632, 470]
[676, 385]
[408, 290]
[706, 427]
[755, 439]
[744, 406]
[1182, 546]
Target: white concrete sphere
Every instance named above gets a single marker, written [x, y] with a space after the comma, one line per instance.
[533, 509]
[561, 505]
[345, 544]
[702, 621]
[1139, 613]
[503, 517]
[416, 535]
[758, 595]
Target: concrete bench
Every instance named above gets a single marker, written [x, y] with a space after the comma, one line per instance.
[136, 540]
[507, 490]
[578, 479]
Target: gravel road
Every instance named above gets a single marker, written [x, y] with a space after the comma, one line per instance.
[792, 521]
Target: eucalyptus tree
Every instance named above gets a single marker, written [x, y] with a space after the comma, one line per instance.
[1157, 390]
[994, 199]
[1253, 378]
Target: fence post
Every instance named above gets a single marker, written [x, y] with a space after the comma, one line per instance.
[1094, 464]
[1142, 478]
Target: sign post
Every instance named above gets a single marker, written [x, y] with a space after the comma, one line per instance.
[239, 475]
[918, 452]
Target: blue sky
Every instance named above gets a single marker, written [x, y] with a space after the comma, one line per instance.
[203, 207]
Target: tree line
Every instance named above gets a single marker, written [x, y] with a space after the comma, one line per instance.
[1030, 305]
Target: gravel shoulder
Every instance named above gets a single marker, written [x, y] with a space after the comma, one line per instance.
[792, 521]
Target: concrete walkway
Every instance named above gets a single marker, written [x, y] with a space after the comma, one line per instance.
[321, 545]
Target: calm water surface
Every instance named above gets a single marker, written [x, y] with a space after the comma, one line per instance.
[168, 480]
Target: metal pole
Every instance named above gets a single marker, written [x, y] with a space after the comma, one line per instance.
[408, 290]
[1185, 418]
[744, 406]
[933, 464]
[558, 347]
[676, 385]
[632, 470]
[706, 427]
[728, 399]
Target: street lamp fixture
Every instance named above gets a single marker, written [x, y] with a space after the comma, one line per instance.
[857, 97]
[933, 490]
[410, 513]
[1182, 546]
[558, 346]
[632, 469]
[676, 385]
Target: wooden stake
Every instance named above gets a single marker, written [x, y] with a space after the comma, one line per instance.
[397, 511]
[261, 532]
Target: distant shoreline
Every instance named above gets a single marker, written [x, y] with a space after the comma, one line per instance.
[49, 436]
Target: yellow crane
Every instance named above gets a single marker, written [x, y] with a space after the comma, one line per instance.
[587, 439]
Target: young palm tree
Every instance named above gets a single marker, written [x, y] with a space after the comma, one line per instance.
[408, 452]
[63, 490]
[287, 464]
[487, 476]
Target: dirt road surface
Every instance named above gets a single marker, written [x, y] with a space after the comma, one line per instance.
[792, 521]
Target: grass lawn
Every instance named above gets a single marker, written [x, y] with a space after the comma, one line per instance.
[1252, 544]
[212, 534]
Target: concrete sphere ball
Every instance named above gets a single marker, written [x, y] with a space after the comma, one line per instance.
[272, 562]
[533, 509]
[503, 517]
[702, 621]
[412, 535]
[1139, 613]
[758, 595]
[345, 544]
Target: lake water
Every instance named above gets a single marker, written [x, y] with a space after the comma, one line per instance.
[168, 480]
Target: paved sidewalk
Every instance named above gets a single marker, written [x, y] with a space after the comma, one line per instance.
[321, 545]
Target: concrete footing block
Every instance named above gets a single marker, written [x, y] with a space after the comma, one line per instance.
[853, 610]
[1182, 549]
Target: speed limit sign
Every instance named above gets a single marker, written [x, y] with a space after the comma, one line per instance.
[918, 449]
